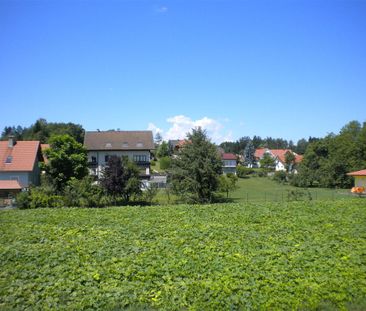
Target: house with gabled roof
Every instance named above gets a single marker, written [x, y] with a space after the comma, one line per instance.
[135, 145]
[19, 164]
[279, 155]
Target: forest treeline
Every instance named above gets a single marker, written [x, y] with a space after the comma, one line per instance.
[42, 130]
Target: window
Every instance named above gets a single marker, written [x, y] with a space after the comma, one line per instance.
[106, 158]
[140, 158]
[139, 144]
[125, 145]
[94, 159]
[9, 159]
[108, 145]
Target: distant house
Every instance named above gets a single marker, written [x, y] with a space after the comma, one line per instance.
[19, 166]
[229, 163]
[279, 155]
[136, 145]
[176, 145]
[360, 178]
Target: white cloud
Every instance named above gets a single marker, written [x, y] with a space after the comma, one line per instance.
[181, 125]
[152, 127]
[162, 9]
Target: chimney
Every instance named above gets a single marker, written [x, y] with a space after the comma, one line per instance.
[11, 141]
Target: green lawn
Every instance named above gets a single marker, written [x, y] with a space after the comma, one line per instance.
[266, 256]
[261, 189]
[264, 189]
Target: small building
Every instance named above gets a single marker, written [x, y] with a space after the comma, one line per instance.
[19, 162]
[360, 178]
[9, 188]
[229, 163]
[135, 145]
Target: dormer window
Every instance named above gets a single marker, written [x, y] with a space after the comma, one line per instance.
[9, 159]
[139, 145]
[125, 145]
[108, 145]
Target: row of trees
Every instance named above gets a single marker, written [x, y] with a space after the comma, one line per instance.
[327, 161]
[241, 144]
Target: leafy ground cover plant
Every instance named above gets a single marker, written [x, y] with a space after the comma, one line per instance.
[298, 255]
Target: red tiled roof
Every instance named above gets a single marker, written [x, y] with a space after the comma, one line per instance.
[298, 158]
[23, 156]
[357, 173]
[229, 156]
[259, 152]
[9, 185]
[280, 154]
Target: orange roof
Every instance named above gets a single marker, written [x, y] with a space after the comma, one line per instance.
[357, 173]
[21, 157]
[279, 153]
[229, 156]
[259, 152]
[9, 185]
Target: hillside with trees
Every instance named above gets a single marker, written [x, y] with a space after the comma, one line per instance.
[328, 160]
[42, 130]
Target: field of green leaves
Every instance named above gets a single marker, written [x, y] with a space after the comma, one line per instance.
[267, 256]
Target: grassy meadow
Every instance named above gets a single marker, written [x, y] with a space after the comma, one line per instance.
[268, 256]
[264, 189]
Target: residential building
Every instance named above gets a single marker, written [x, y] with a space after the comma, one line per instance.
[135, 145]
[229, 163]
[19, 164]
[279, 155]
[360, 179]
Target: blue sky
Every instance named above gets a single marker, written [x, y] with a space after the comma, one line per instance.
[286, 68]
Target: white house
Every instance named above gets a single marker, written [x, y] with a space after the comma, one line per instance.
[279, 155]
[229, 163]
[136, 145]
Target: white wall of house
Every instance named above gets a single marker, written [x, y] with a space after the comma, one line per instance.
[280, 166]
[100, 158]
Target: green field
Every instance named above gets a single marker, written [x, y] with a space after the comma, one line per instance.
[264, 189]
[261, 189]
[267, 256]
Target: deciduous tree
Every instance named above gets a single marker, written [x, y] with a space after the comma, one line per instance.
[66, 159]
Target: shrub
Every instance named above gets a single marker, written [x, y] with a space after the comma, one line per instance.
[40, 198]
[23, 200]
[83, 193]
[280, 177]
[261, 172]
[243, 172]
[165, 163]
[299, 195]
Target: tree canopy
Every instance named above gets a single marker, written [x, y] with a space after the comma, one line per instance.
[328, 160]
[42, 130]
[66, 159]
[121, 178]
[196, 169]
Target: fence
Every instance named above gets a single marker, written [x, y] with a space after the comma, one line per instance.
[291, 195]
